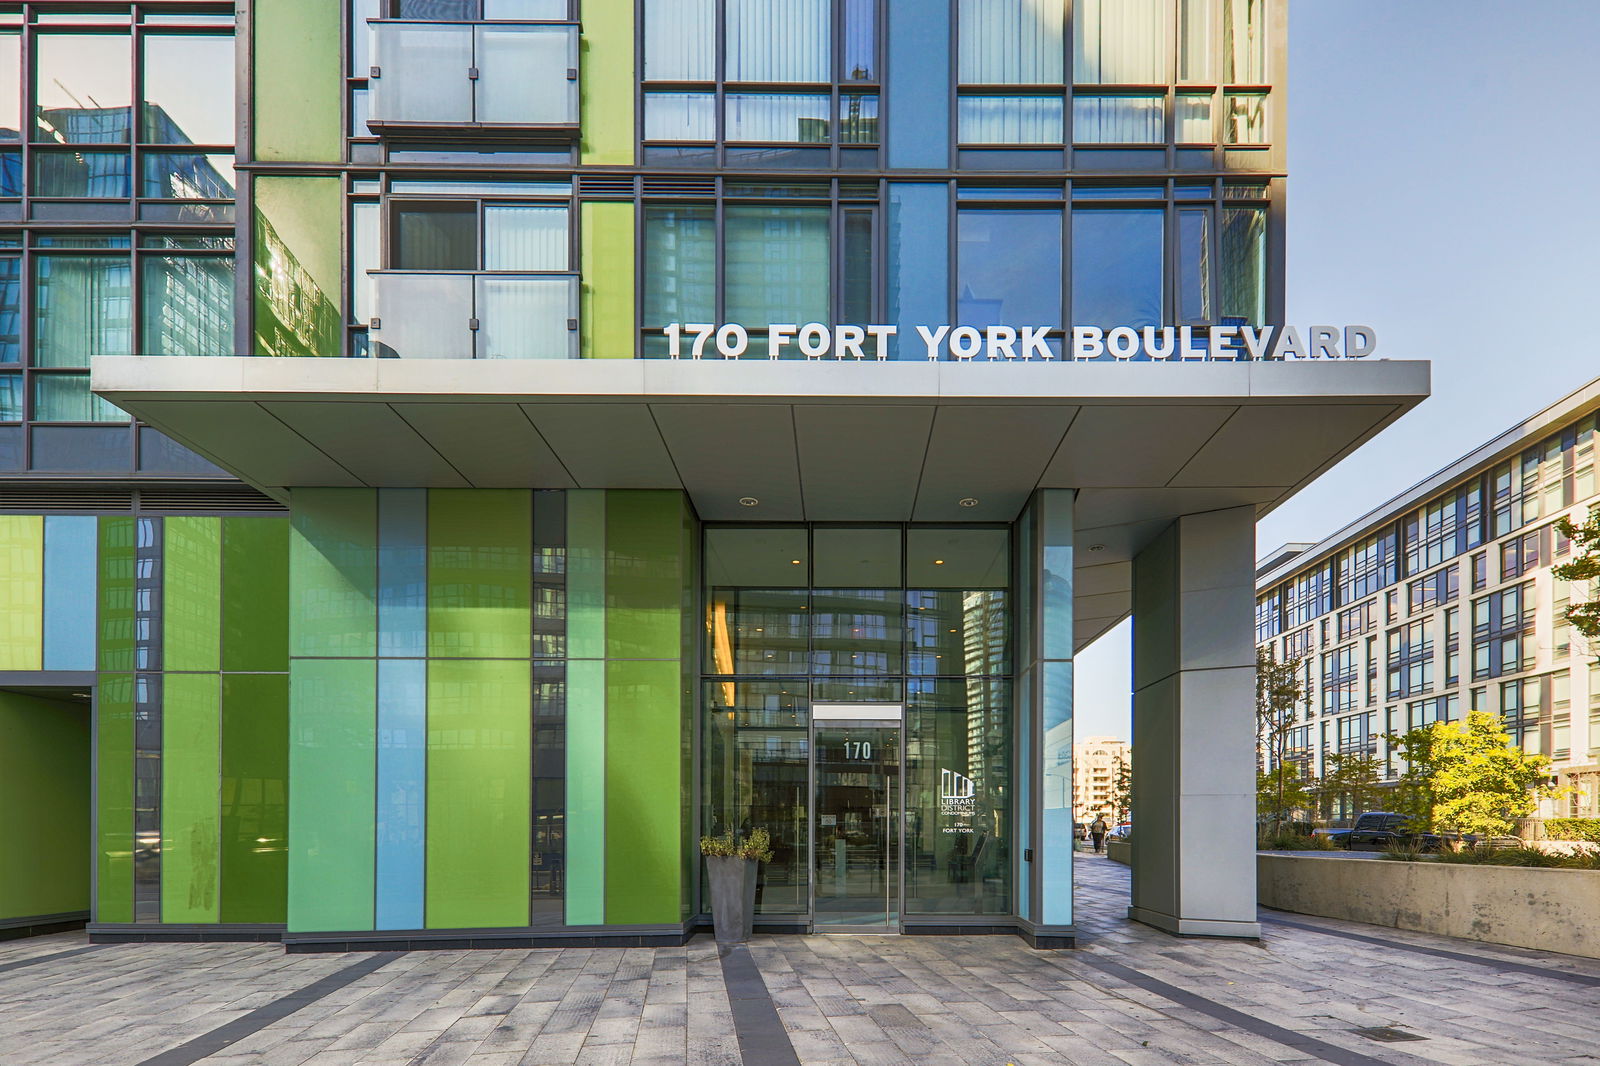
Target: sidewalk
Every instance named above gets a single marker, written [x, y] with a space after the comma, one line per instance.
[1130, 996]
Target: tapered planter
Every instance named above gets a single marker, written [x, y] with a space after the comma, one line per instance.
[733, 896]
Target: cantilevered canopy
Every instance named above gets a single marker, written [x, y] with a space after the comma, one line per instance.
[833, 442]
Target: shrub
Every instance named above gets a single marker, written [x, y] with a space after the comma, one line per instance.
[1584, 859]
[757, 846]
[1289, 841]
[1573, 829]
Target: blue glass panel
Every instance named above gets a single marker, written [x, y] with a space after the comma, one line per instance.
[402, 804]
[100, 175]
[919, 261]
[187, 176]
[1008, 267]
[919, 84]
[402, 572]
[1011, 119]
[69, 591]
[1117, 268]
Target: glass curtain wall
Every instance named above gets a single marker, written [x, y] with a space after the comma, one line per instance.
[1011, 66]
[912, 615]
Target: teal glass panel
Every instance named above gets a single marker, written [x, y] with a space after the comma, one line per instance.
[680, 265]
[82, 307]
[66, 398]
[188, 305]
[777, 264]
[586, 792]
[333, 563]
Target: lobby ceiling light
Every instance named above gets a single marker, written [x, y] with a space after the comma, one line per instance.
[968, 501]
[1097, 547]
[748, 501]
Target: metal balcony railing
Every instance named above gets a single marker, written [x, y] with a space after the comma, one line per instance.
[513, 78]
[423, 315]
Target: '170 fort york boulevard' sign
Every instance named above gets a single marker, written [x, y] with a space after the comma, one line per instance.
[814, 340]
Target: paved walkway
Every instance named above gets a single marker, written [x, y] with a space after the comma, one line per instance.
[1129, 997]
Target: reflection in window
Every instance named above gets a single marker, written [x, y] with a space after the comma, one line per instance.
[680, 265]
[857, 632]
[1244, 263]
[188, 89]
[1244, 119]
[83, 88]
[1118, 119]
[436, 236]
[680, 116]
[1117, 267]
[525, 237]
[82, 307]
[1194, 264]
[757, 631]
[1010, 42]
[10, 309]
[778, 42]
[10, 86]
[799, 118]
[858, 118]
[778, 266]
[1010, 120]
[187, 305]
[10, 397]
[181, 176]
[96, 175]
[1195, 34]
[1244, 41]
[1008, 266]
[66, 398]
[956, 632]
[1194, 118]
[1119, 42]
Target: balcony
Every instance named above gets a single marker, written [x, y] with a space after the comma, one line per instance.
[500, 79]
[467, 315]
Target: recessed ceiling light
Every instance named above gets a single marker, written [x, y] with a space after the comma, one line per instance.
[968, 501]
[794, 562]
[748, 501]
[1097, 547]
[938, 562]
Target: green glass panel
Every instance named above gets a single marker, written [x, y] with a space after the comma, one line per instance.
[298, 261]
[255, 796]
[586, 574]
[644, 573]
[114, 791]
[255, 594]
[607, 90]
[608, 252]
[479, 770]
[332, 762]
[333, 572]
[117, 540]
[480, 573]
[644, 792]
[191, 589]
[298, 83]
[191, 822]
[586, 792]
[44, 792]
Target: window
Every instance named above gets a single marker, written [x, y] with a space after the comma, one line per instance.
[1269, 616]
[186, 304]
[475, 10]
[1355, 734]
[1120, 118]
[1118, 267]
[66, 398]
[1519, 555]
[1441, 586]
[1308, 595]
[1525, 707]
[1411, 659]
[1297, 645]
[1339, 678]
[1480, 572]
[1018, 45]
[1008, 266]
[1368, 567]
[1502, 632]
[1452, 646]
[473, 235]
[1119, 42]
[778, 64]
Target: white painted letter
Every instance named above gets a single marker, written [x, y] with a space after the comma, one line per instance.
[932, 338]
[1186, 348]
[1215, 345]
[674, 341]
[814, 338]
[880, 340]
[1255, 341]
[1087, 342]
[732, 340]
[1288, 344]
[702, 332]
[847, 342]
[965, 342]
[1001, 339]
[1122, 342]
[1168, 345]
[777, 337]
[1324, 342]
[1359, 341]
[1035, 339]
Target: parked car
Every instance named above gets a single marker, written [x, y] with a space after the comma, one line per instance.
[1336, 837]
[1377, 830]
[1121, 832]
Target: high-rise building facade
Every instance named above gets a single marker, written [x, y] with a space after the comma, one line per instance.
[1096, 764]
[1442, 601]
[675, 425]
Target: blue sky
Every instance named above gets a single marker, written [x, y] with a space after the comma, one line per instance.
[1444, 187]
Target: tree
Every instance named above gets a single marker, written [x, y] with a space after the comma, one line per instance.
[1466, 777]
[1121, 789]
[1349, 782]
[1279, 788]
[1584, 568]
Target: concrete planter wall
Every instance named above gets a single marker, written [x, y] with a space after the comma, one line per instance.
[1120, 851]
[1549, 910]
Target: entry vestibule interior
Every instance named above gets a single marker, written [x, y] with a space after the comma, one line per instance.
[44, 809]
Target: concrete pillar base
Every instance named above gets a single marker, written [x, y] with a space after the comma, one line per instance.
[1169, 923]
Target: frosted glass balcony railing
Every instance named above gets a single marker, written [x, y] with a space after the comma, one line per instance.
[475, 316]
[517, 77]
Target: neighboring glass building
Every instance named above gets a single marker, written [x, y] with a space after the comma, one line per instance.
[1442, 602]
[537, 604]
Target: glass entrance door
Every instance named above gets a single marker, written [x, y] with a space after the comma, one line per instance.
[855, 869]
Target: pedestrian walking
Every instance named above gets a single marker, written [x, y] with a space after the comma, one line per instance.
[1097, 831]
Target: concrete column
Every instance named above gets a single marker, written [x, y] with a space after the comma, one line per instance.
[1194, 866]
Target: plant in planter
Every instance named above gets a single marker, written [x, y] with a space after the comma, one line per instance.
[731, 863]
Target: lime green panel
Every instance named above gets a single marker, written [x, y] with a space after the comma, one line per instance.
[298, 260]
[480, 573]
[255, 594]
[606, 60]
[644, 575]
[298, 81]
[44, 797]
[114, 796]
[586, 792]
[117, 541]
[688, 682]
[21, 592]
[191, 593]
[586, 574]
[332, 762]
[479, 769]
[255, 797]
[333, 572]
[609, 329]
[191, 822]
[644, 792]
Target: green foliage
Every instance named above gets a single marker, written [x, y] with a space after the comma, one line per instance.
[1294, 842]
[1583, 568]
[1279, 785]
[1573, 829]
[1280, 792]
[1587, 859]
[1122, 790]
[757, 846]
[1351, 778]
[1466, 777]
